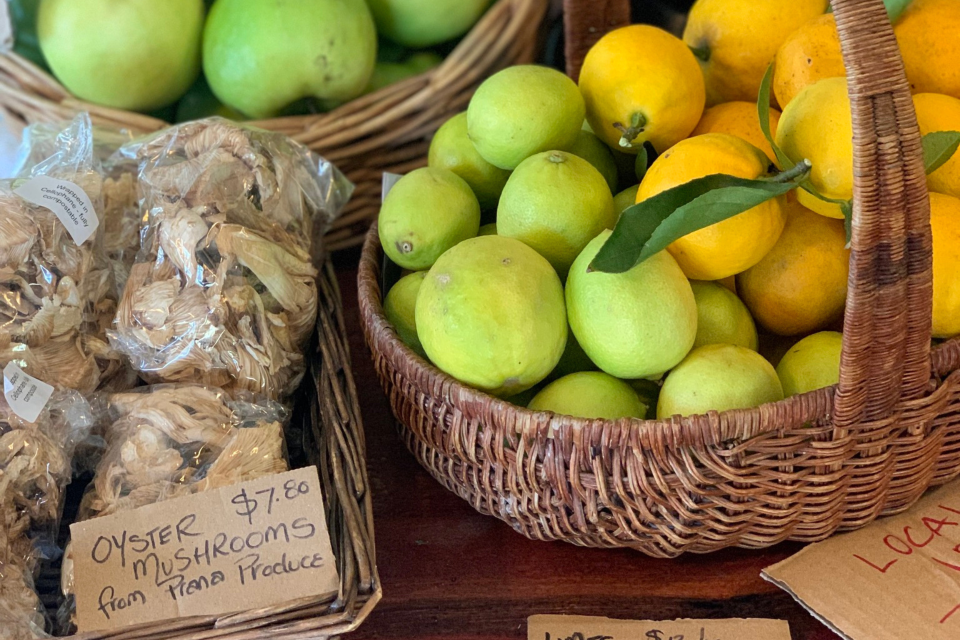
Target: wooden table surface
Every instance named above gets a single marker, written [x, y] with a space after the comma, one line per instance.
[449, 572]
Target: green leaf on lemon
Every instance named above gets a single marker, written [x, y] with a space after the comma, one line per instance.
[895, 8]
[763, 110]
[938, 148]
[642, 162]
[650, 226]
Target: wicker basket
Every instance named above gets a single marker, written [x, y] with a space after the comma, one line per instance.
[335, 443]
[384, 131]
[800, 469]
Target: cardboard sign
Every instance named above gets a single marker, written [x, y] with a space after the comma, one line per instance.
[252, 545]
[591, 628]
[897, 578]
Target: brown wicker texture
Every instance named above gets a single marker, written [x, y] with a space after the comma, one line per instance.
[339, 453]
[799, 469]
[387, 130]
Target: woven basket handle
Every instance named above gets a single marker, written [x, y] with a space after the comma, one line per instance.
[886, 341]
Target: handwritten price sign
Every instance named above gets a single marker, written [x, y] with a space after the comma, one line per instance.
[898, 578]
[590, 628]
[251, 545]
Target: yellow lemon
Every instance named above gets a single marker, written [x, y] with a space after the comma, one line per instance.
[812, 363]
[736, 244]
[937, 112]
[736, 40]
[641, 84]
[738, 119]
[817, 126]
[945, 222]
[809, 54]
[927, 34]
[801, 285]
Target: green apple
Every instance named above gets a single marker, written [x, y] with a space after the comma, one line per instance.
[261, 56]
[424, 23]
[127, 54]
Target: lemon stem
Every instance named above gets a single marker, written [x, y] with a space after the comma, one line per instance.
[801, 168]
[702, 53]
[637, 123]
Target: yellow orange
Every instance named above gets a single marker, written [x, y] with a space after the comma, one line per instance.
[927, 33]
[810, 54]
[736, 244]
[738, 119]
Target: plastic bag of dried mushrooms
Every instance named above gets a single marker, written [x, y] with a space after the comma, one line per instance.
[35, 459]
[170, 440]
[223, 291]
[57, 295]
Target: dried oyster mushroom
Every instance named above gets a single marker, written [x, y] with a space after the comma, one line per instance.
[177, 439]
[224, 289]
[34, 469]
[55, 297]
[173, 439]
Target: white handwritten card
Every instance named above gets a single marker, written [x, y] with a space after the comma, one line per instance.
[555, 627]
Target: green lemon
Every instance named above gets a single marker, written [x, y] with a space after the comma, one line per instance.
[423, 23]
[491, 314]
[812, 363]
[451, 149]
[400, 307]
[625, 199]
[635, 324]
[488, 229]
[722, 318]
[718, 377]
[590, 148]
[590, 394]
[524, 110]
[426, 212]
[555, 202]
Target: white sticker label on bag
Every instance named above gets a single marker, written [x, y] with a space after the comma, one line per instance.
[26, 395]
[67, 201]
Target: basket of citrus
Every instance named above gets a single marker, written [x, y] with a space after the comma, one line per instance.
[692, 321]
[364, 83]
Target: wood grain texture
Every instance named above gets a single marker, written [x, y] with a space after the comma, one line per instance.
[449, 572]
[585, 23]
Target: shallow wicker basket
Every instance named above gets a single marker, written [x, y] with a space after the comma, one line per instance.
[334, 442]
[800, 469]
[387, 130]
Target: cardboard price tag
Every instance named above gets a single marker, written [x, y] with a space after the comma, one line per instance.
[552, 627]
[251, 545]
[897, 578]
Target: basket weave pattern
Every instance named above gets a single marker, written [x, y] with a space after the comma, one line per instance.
[800, 469]
[387, 130]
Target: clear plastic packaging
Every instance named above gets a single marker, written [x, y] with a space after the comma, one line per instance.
[171, 440]
[35, 467]
[57, 298]
[223, 291]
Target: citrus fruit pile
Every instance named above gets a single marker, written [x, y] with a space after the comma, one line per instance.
[652, 242]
